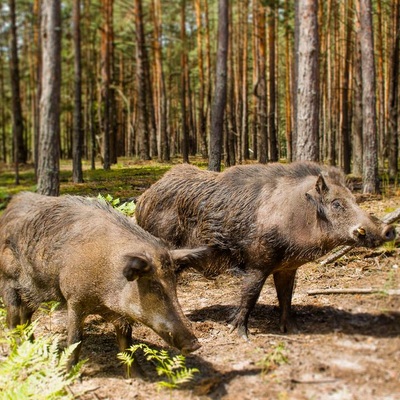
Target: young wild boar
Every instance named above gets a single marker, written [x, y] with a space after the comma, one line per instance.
[82, 252]
[263, 219]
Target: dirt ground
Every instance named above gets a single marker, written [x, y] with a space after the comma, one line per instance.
[348, 346]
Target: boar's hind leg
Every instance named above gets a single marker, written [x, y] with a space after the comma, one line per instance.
[252, 285]
[284, 283]
[124, 338]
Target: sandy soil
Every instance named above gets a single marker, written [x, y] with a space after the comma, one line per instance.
[348, 346]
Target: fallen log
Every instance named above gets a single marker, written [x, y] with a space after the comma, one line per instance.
[390, 292]
[387, 219]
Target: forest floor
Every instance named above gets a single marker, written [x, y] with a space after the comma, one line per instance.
[348, 346]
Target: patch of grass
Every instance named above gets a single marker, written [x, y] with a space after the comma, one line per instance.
[273, 359]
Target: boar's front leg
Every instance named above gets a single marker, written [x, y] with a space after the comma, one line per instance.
[75, 331]
[18, 313]
[252, 285]
[284, 283]
[124, 338]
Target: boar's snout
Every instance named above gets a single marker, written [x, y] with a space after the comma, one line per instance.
[190, 347]
[388, 233]
[373, 238]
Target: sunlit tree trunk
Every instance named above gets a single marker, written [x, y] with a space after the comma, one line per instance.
[219, 104]
[272, 131]
[49, 143]
[77, 140]
[307, 86]
[370, 148]
[184, 126]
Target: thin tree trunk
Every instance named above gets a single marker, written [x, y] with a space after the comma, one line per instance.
[370, 146]
[245, 102]
[185, 133]
[272, 131]
[394, 96]
[288, 86]
[261, 87]
[49, 144]
[77, 140]
[202, 118]
[143, 128]
[18, 122]
[219, 104]
[344, 98]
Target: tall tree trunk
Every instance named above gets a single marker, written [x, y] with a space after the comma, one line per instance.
[245, 102]
[202, 118]
[18, 122]
[77, 140]
[49, 144]
[288, 86]
[344, 98]
[162, 96]
[394, 96]
[219, 103]
[370, 147]
[261, 87]
[308, 86]
[184, 66]
[357, 120]
[141, 56]
[105, 84]
[272, 133]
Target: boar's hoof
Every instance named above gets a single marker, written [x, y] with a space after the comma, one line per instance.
[135, 371]
[289, 326]
[242, 331]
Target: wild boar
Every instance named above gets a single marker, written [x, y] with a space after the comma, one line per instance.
[82, 252]
[263, 219]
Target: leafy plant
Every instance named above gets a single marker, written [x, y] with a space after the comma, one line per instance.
[273, 359]
[172, 368]
[127, 208]
[35, 369]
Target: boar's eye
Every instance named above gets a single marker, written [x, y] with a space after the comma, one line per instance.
[337, 205]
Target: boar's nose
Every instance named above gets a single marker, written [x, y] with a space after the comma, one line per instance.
[190, 347]
[388, 233]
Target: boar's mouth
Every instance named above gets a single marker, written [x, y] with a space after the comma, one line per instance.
[185, 346]
[369, 239]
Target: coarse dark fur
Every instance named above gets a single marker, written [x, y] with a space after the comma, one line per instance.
[82, 252]
[262, 219]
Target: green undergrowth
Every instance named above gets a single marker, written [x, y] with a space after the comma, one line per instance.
[34, 369]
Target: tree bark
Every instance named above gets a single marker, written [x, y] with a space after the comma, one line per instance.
[370, 147]
[49, 144]
[18, 121]
[77, 140]
[307, 126]
[219, 104]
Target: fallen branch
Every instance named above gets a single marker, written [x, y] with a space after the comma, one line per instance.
[390, 292]
[387, 219]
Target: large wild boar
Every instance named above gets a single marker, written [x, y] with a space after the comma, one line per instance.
[82, 252]
[263, 219]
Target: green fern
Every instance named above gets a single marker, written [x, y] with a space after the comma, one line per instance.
[35, 369]
[127, 208]
[172, 368]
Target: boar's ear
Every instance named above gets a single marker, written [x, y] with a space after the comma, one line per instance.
[135, 268]
[183, 257]
[321, 186]
[315, 196]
